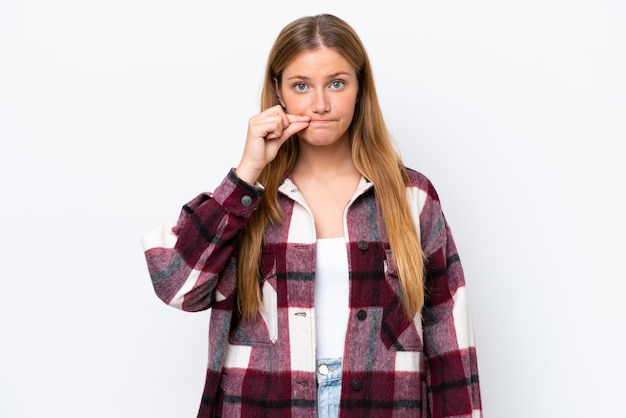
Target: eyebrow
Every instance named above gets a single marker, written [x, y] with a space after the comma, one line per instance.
[331, 76]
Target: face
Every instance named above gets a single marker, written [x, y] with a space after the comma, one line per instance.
[323, 85]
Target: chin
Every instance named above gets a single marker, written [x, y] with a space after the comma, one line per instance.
[318, 140]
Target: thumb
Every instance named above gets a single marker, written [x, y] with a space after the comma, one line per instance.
[294, 128]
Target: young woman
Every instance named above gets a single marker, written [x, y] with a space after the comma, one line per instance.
[333, 279]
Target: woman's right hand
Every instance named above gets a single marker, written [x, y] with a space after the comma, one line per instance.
[267, 131]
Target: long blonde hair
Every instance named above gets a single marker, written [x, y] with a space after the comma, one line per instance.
[372, 152]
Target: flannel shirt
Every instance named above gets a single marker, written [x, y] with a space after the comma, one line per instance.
[392, 366]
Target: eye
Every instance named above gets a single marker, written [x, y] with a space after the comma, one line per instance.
[300, 86]
[337, 84]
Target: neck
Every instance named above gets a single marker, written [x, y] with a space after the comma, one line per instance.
[324, 162]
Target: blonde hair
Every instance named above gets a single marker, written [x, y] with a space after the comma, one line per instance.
[372, 152]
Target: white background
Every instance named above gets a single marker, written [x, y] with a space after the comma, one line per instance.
[115, 113]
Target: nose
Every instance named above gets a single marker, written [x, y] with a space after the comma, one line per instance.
[320, 102]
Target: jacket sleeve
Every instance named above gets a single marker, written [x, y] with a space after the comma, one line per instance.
[191, 263]
[449, 348]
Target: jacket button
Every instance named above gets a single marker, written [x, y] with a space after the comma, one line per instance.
[361, 315]
[357, 385]
[362, 245]
[246, 200]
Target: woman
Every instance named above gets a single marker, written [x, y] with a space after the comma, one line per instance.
[332, 275]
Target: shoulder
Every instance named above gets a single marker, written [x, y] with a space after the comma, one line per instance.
[418, 180]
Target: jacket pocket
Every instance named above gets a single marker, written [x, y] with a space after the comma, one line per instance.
[397, 331]
[264, 328]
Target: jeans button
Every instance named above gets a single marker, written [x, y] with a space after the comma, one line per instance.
[323, 369]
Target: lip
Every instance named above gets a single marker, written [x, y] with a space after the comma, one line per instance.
[321, 121]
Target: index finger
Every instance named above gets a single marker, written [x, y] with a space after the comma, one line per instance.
[297, 118]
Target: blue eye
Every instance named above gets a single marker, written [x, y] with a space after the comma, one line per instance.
[300, 86]
[337, 84]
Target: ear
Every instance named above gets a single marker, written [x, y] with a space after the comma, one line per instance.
[278, 93]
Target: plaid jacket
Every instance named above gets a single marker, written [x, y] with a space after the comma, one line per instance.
[392, 367]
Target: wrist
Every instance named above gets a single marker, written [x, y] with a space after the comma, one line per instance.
[247, 174]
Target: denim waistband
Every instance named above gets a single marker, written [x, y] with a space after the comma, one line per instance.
[328, 370]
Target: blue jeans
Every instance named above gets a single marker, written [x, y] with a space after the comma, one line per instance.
[328, 387]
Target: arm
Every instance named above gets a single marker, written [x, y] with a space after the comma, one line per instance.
[451, 364]
[186, 261]
[192, 261]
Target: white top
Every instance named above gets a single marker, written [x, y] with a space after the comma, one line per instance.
[331, 297]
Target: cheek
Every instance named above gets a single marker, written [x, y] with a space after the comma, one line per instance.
[347, 106]
[295, 104]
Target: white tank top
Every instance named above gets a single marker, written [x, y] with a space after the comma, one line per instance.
[332, 290]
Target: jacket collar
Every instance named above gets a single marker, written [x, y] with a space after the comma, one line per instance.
[289, 189]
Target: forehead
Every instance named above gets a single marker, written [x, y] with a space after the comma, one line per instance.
[318, 62]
